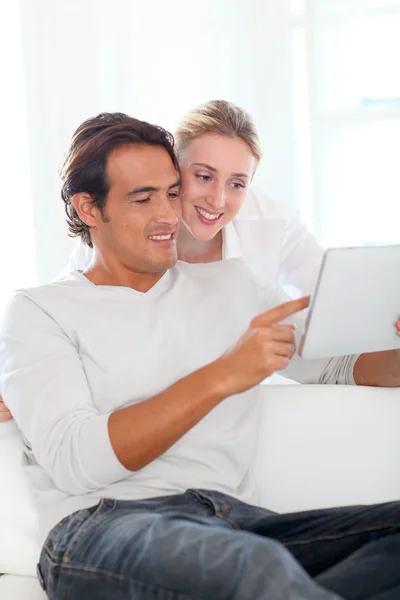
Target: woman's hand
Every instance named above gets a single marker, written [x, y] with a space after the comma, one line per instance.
[5, 414]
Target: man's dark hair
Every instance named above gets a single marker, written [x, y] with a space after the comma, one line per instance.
[84, 168]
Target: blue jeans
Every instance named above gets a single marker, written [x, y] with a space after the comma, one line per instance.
[208, 546]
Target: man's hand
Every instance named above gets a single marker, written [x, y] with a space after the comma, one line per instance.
[5, 414]
[266, 347]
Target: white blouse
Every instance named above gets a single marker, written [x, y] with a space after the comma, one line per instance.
[270, 238]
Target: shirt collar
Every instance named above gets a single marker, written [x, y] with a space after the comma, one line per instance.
[231, 247]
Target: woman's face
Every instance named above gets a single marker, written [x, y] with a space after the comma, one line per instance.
[216, 172]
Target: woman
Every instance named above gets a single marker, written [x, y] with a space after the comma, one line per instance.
[223, 216]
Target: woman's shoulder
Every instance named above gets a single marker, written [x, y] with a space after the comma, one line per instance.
[261, 204]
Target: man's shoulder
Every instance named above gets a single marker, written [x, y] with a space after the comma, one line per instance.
[44, 293]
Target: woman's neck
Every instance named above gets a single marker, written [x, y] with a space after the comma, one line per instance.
[192, 250]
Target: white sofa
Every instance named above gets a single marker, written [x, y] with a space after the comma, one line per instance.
[320, 446]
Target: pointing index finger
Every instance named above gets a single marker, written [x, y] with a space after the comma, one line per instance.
[281, 312]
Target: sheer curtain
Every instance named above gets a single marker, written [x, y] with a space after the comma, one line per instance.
[17, 237]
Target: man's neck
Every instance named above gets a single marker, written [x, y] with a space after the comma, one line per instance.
[103, 272]
[192, 250]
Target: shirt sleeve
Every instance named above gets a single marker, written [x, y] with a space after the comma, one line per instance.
[336, 370]
[301, 255]
[43, 382]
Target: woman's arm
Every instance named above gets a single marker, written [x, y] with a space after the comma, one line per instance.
[78, 261]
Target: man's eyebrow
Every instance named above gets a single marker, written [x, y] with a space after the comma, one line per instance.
[177, 183]
[141, 190]
[214, 170]
[150, 188]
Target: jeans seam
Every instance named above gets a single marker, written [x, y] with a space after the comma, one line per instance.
[74, 536]
[121, 578]
[65, 559]
[338, 536]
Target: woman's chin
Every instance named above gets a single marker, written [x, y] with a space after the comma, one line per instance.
[204, 233]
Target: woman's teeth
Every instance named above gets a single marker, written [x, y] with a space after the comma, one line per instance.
[208, 215]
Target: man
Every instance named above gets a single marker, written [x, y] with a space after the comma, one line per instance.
[135, 387]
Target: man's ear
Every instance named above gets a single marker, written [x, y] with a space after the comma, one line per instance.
[85, 208]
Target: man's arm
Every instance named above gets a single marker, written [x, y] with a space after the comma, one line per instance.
[44, 383]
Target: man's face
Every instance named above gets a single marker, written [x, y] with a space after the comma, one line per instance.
[140, 221]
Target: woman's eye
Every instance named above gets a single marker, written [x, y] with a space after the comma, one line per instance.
[238, 186]
[203, 177]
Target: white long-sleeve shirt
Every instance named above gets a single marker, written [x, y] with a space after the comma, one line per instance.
[270, 238]
[71, 353]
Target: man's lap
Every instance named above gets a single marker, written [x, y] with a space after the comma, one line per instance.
[177, 532]
[131, 550]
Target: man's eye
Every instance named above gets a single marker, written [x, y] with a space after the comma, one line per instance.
[173, 195]
[142, 201]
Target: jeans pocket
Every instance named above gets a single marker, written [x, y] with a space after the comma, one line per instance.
[66, 533]
[105, 505]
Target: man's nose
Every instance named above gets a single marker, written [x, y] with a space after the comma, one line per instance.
[168, 212]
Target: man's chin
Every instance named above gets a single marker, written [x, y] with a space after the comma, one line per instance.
[165, 264]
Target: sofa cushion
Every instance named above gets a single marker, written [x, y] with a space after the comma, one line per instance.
[328, 445]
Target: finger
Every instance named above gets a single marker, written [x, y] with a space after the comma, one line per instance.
[281, 349]
[277, 314]
[282, 334]
[279, 364]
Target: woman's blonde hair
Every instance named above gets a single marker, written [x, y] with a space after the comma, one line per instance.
[217, 117]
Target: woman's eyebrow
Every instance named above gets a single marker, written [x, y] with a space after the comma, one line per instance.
[214, 170]
[239, 175]
[209, 167]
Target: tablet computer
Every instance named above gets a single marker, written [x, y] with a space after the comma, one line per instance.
[355, 304]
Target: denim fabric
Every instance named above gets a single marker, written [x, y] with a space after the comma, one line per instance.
[205, 545]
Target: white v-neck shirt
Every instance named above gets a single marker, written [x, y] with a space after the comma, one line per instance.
[270, 238]
[72, 353]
